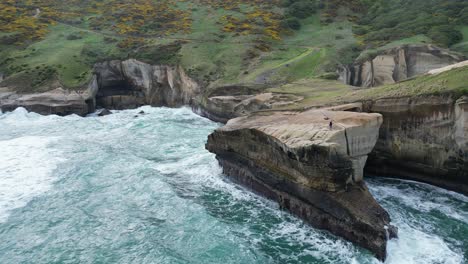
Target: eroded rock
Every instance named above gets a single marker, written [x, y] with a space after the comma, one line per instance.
[104, 112]
[423, 138]
[398, 64]
[223, 108]
[57, 101]
[131, 83]
[309, 169]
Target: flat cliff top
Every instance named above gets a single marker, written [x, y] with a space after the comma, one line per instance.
[299, 129]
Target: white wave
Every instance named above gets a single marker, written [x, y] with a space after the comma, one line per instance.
[417, 247]
[424, 198]
[318, 244]
[26, 166]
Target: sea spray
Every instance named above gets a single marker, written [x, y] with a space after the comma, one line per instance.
[141, 188]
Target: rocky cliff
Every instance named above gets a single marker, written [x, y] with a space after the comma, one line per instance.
[131, 83]
[225, 107]
[57, 101]
[423, 138]
[114, 85]
[309, 169]
[397, 64]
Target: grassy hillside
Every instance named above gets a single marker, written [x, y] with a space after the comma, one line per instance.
[319, 92]
[218, 42]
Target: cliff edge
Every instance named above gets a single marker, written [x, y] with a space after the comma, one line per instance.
[310, 169]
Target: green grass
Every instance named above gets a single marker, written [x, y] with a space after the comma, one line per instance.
[218, 59]
[303, 66]
[319, 92]
[454, 81]
[463, 45]
[302, 54]
[65, 55]
[418, 39]
[313, 33]
[314, 91]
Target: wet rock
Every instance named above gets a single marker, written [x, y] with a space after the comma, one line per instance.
[311, 170]
[423, 138]
[57, 101]
[104, 112]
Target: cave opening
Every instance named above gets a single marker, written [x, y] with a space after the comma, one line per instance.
[119, 95]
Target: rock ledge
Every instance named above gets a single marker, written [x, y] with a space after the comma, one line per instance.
[311, 170]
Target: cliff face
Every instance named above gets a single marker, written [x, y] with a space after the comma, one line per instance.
[225, 107]
[132, 83]
[57, 101]
[114, 85]
[424, 139]
[397, 64]
[311, 170]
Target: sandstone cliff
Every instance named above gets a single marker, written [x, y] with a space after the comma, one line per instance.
[423, 138]
[57, 101]
[132, 83]
[225, 107]
[114, 85]
[397, 64]
[311, 170]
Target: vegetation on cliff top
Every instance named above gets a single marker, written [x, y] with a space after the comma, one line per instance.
[320, 92]
[218, 42]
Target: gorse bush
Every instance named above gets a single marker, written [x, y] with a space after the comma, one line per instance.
[297, 9]
[302, 9]
[387, 20]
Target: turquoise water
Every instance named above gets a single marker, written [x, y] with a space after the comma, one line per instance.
[126, 189]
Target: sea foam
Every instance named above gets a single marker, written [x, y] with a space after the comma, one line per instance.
[26, 167]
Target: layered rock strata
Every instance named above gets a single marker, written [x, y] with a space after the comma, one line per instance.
[311, 170]
[114, 85]
[131, 83]
[397, 64]
[423, 138]
[58, 101]
[225, 107]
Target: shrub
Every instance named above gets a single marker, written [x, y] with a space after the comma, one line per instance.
[292, 23]
[74, 36]
[302, 9]
[348, 54]
[445, 35]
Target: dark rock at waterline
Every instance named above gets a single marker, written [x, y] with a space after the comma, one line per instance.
[311, 170]
[58, 101]
[423, 138]
[104, 112]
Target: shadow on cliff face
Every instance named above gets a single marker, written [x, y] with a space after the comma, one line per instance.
[131, 84]
[423, 139]
[119, 95]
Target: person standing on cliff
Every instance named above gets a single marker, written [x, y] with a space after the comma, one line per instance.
[331, 125]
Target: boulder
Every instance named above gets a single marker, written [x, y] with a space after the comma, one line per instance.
[104, 112]
[311, 170]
